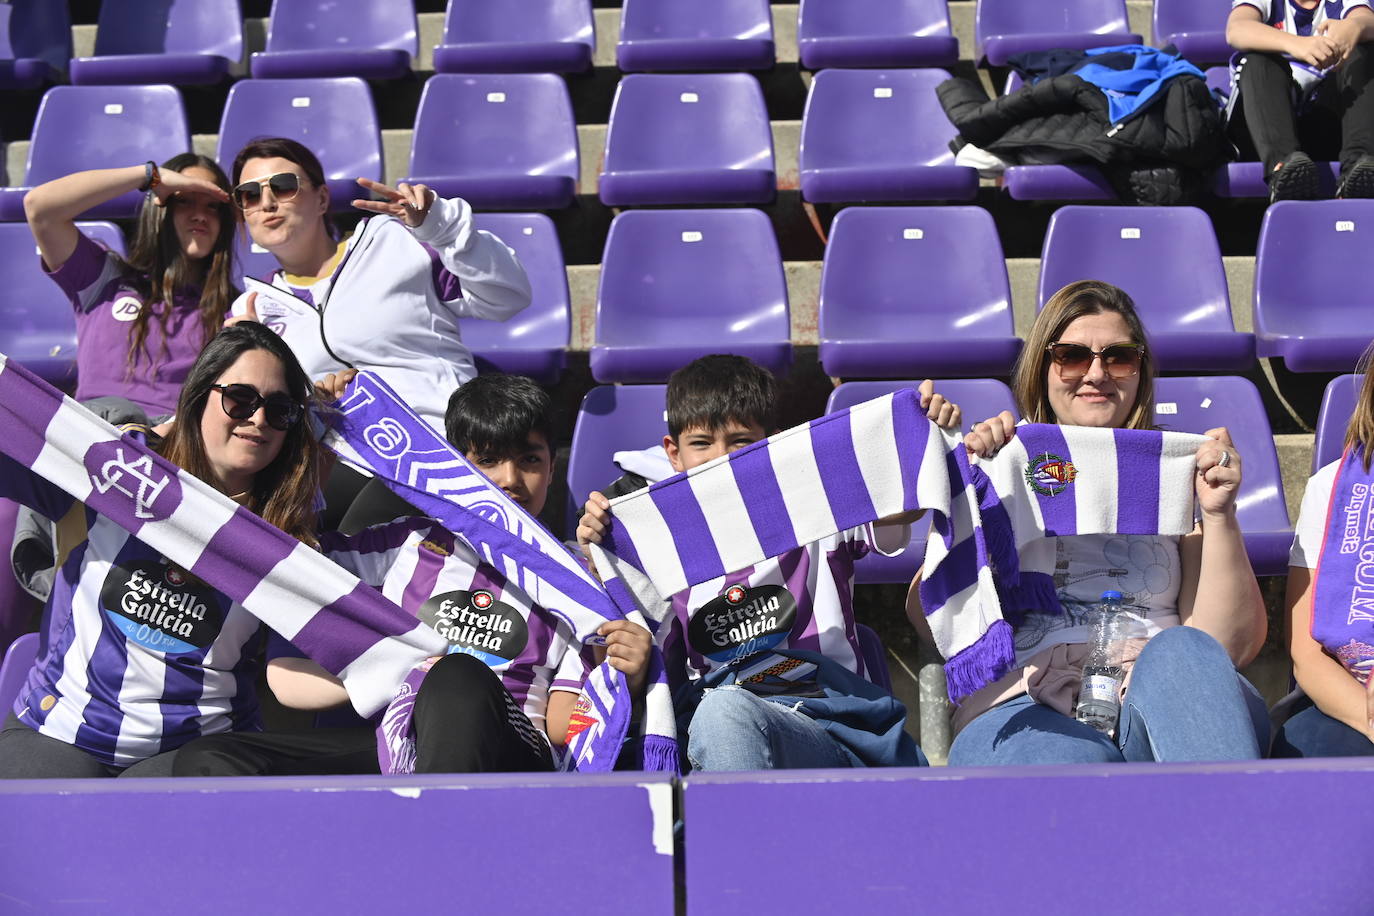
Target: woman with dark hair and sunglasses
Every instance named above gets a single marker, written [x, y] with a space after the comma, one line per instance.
[1193, 602]
[388, 296]
[138, 656]
[141, 321]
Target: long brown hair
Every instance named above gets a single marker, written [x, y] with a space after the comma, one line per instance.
[1086, 297]
[283, 493]
[1360, 432]
[158, 266]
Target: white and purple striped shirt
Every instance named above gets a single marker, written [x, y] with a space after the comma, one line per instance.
[419, 565]
[136, 657]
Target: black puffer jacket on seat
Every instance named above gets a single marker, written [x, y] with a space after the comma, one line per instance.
[1158, 156]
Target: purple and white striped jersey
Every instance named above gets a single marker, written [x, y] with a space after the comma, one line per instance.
[419, 565]
[1288, 16]
[136, 656]
[803, 599]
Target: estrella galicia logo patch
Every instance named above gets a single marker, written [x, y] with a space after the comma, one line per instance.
[742, 621]
[477, 623]
[1050, 475]
[161, 608]
[128, 486]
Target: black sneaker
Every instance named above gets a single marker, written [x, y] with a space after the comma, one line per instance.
[1358, 181]
[1294, 179]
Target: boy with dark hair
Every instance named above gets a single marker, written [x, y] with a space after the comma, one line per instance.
[801, 600]
[501, 700]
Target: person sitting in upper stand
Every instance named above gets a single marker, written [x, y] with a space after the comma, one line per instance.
[1301, 91]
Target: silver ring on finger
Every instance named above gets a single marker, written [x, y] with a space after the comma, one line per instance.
[1225, 460]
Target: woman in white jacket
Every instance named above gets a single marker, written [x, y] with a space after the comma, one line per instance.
[386, 297]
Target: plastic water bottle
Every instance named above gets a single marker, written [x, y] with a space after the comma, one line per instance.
[1099, 702]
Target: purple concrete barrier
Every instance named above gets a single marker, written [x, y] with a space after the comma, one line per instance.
[519, 843]
[1258, 838]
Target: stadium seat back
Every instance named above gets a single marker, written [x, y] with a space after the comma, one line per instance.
[334, 118]
[682, 139]
[504, 141]
[695, 35]
[915, 291]
[1314, 283]
[875, 33]
[1168, 261]
[679, 284]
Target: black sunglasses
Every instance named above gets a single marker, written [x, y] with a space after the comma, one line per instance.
[1119, 360]
[284, 186]
[241, 401]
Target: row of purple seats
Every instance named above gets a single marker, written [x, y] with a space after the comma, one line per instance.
[197, 41]
[84, 127]
[631, 417]
[924, 289]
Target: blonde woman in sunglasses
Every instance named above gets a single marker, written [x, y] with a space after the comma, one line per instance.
[1193, 604]
[385, 297]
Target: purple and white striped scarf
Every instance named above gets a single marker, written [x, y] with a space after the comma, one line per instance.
[987, 542]
[345, 625]
[376, 431]
[1343, 583]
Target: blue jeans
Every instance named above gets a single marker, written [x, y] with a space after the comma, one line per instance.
[1186, 703]
[732, 729]
[1312, 733]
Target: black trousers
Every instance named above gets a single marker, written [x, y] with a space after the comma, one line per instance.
[465, 721]
[307, 752]
[1338, 123]
[25, 754]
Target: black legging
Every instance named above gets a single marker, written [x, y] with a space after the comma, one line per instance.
[466, 722]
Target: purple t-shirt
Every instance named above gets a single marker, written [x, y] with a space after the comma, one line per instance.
[106, 304]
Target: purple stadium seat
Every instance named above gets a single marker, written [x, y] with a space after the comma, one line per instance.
[978, 399]
[875, 656]
[35, 43]
[535, 341]
[516, 36]
[500, 141]
[37, 327]
[875, 33]
[1197, 404]
[1246, 179]
[1314, 283]
[169, 41]
[612, 418]
[375, 39]
[335, 118]
[680, 284]
[695, 35]
[1196, 27]
[317, 858]
[1224, 834]
[688, 139]
[1004, 28]
[915, 291]
[1219, 80]
[92, 127]
[252, 260]
[879, 135]
[1167, 260]
[1338, 405]
[14, 670]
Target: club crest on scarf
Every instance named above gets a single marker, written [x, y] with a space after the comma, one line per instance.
[112, 466]
[1049, 475]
